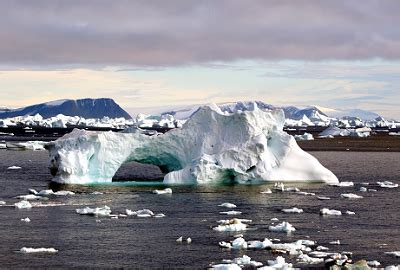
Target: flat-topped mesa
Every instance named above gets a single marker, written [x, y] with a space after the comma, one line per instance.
[211, 147]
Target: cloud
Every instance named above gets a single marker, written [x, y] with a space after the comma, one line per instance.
[159, 33]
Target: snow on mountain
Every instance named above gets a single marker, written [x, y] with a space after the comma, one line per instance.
[87, 108]
[362, 114]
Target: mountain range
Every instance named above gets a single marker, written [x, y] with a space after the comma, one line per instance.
[86, 108]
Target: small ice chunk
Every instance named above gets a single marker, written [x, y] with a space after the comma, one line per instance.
[29, 197]
[239, 243]
[387, 184]
[393, 253]
[26, 219]
[374, 263]
[64, 193]
[231, 213]
[144, 213]
[282, 227]
[372, 190]
[336, 242]
[159, 215]
[350, 196]
[292, 210]
[163, 191]
[188, 240]
[321, 248]
[226, 266]
[38, 250]
[246, 261]
[329, 212]
[363, 189]
[266, 191]
[305, 193]
[304, 258]
[32, 191]
[322, 198]
[278, 263]
[228, 205]
[343, 184]
[350, 212]
[46, 192]
[274, 219]
[260, 244]
[2, 202]
[392, 267]
[179, 240]
[23, 205]
[97, 193]
[14, 168]
[104, 211]
[233, 225]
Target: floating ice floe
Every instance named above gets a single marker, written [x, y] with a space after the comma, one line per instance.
[292, 210]
[374, 263]
[228, 205]
[323, 198]
[23, 205]
[14, 168]
[393, 253]
[330, 212]
[305, 193]
[259, 244]
[350, 212]
[226, 266]
[231, 213]
[38, 250]
[232, 225]
[304, 258]
[392, 267]
[336, 242]
[387, 184]
[266, 191]
[351, 196]
[282, 227]
[26, 219]
[163, 191]
[238, 243]
[363, 189]
[29, 197]
[278, 264]
[305, 137]
[343, 184]
[2, 202]
[104, 211]
[212, 146]
[143, 213]
[237, 262]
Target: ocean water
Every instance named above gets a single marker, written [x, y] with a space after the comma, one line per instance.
[147, 243]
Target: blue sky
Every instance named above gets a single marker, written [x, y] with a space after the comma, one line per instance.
[338, 54]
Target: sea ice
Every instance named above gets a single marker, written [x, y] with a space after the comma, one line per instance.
[350, 212]
[266, 191]
[387, 184]
[393, 253]
[226, 266]
[163, 191]
[144, 213]
[278, 264]
[304, 258]
[343, 184]
[363, 189]
[330, 212]
[374, 263]
[293, 210]
[104, 211]
[212, 146]
[2, 202]
[23, 205]
[323, 198]
[233, 213]
[228, 205]
[26, 219]
[38, 250]
[336, 242]
[350, 196]
[232, 225]
[29, 197]
[14, 168]
[259, 244]
[282, 227]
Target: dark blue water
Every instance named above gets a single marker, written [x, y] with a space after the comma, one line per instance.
[191, 212]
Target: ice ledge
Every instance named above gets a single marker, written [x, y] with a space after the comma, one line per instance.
[211, 147]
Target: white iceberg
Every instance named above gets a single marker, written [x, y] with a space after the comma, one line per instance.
[212, 146]
[14, 168]
[387, 184]
[329, 212]
[282, 227]
[232, 225]
[293, 210]
[104, 211]
[228, 205]
[163, 191]
[38, 250]
[23, 205]
[351, 196]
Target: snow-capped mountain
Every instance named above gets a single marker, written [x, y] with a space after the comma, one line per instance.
[87, 108]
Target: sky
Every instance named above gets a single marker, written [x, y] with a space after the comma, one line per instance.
[337, 54]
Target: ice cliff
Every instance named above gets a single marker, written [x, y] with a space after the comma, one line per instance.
[212, 146]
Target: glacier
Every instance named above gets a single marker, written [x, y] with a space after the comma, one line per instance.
[212, 147]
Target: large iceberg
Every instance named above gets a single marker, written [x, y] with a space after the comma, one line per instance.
[211, 147]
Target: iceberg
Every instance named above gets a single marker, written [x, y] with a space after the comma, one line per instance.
[38, 250]
[211, 147]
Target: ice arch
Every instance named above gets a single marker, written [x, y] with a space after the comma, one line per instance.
[212, 146]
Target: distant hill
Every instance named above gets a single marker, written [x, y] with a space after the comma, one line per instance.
[87, 108]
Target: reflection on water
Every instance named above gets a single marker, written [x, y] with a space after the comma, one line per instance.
[191, 211]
